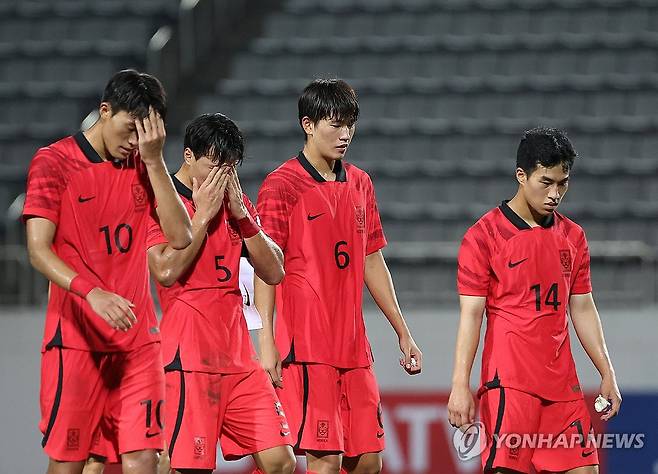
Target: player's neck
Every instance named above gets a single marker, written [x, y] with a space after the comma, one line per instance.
[522, 209]
[183, 175]
[324, 167]
[94, 136]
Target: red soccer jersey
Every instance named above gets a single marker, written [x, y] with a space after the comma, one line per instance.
[203, 328]
[100, 209]
[527, 275]
[326, 229]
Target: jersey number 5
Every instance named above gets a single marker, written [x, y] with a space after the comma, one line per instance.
[221, 268]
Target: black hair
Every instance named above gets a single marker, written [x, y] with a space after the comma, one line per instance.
[332, 99]
[543, 146]
[134, 92]
[216, 137]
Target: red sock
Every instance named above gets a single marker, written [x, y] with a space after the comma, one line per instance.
[257, 471]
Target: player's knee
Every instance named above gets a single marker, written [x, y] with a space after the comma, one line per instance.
[140, 461]
[371, 466]
[285, 463]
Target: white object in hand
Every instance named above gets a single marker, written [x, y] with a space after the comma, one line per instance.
[601, 404]
[413, 362]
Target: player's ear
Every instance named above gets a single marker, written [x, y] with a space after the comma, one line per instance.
[521, 176]
[308, 125]
[188, 156]
[105, 110]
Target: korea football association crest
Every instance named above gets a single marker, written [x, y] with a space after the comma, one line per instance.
[360, 216]
[565, 261]
[139, 197]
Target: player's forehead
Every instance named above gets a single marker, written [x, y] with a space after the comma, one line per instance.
[554, 173]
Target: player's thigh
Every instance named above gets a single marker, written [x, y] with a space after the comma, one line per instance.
[59, 467]
[311, 398]
[192, 413]
[584, 470]
[572, 438]
[279, 459]
[367, 463]
[144, 461]
[136, 400]
[361, 413]
[94, 465]
[72, 400]
[507, 415]
[323, 462]
[253, 418]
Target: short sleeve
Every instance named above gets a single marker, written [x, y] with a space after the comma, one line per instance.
[274, 210]
[154, 234]
[376, 239]
[46, 184]
[473, 267]
[582, 283]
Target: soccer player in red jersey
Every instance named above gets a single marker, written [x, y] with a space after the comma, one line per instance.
[525, 264]
[88, 199]
[323, 214]
[216, 388]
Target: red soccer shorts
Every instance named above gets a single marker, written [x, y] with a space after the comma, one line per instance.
[240, 410]
[529, 431]
[79, 389]
[332, 409]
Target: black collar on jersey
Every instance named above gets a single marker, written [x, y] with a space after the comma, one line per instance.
[181, 188]
[519, 223]
[339, 169]
[91, 154]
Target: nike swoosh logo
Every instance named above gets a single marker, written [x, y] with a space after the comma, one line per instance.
[246, 292]
[285, 433]
[380, 435]
[514, 264]
[81, 199]
[151, 435]
[310, 217]
[584, 454]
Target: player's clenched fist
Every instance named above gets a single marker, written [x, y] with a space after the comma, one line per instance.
[151, 137]
[209, 195]
[114, 309]
[412, 360]
[461, 407]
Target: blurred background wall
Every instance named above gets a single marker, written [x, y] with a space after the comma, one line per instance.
[446, 88]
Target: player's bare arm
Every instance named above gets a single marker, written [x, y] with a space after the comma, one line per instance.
[380, 285]
[265, 256]
[114, 309]
[166, 262]
[461, 405]
[174, 220]
[269, 356]
[587, 324]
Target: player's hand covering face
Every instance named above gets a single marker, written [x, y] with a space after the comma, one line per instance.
[209, 195]
[151, 137]
[234, 194]
[544, 188]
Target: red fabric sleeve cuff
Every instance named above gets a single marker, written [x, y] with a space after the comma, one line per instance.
[248, 228]
[80, 286]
